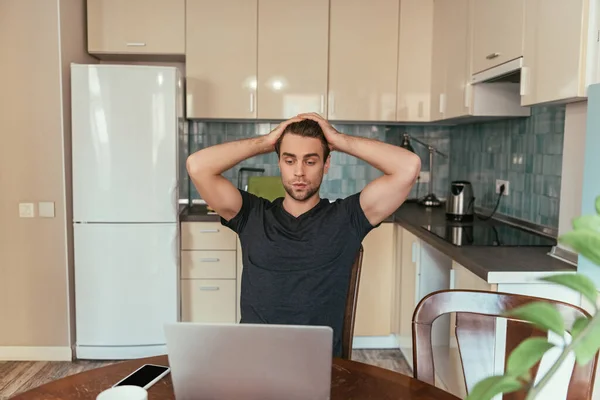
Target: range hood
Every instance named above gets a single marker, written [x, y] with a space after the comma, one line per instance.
[496, 93]
[510, 71]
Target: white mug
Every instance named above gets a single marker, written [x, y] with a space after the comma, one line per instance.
[124, 393]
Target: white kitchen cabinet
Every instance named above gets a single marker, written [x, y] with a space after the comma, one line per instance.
[560, 56]
[363, 60]
[415, 61]
[497, 35]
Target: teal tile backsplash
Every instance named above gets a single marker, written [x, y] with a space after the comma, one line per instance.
[525, 151]
[347, 175]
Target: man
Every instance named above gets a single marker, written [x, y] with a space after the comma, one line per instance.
[298, 250]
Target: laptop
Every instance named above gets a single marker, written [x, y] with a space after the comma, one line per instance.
[249, 361]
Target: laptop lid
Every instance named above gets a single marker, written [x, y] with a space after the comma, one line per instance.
[249, 361]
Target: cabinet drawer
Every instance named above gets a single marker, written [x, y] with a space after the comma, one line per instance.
[209, 301]
[206, 236]
[208, 264]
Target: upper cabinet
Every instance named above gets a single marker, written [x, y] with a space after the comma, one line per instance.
[154, 27]
[497, 32]
[560, 51]
[450, 59]
[292, 57]
[221, 58]
[363, 59]
[414, 61]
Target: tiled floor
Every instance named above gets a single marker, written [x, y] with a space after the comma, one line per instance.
[16, 377]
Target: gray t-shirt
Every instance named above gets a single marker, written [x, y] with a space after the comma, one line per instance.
[296, 270]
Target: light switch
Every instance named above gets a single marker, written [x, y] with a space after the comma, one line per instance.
[46, 209]
[26, 210]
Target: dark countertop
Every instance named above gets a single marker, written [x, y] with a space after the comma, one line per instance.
[480, 260]
[196, 213]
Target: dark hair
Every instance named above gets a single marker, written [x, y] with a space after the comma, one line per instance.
[305, 128]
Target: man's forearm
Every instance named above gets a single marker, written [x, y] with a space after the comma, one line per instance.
[386, 157]
[215, 160]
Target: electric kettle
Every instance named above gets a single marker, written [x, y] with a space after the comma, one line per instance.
[460, 203]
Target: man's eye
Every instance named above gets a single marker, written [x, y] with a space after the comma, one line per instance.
[288, 161]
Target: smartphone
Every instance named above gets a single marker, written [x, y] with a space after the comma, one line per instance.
[145, 376]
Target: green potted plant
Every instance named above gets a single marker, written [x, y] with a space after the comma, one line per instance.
[585, 332]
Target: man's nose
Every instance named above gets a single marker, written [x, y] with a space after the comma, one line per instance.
[299, 170]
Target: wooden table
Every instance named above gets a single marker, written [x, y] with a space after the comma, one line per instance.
[350, 380]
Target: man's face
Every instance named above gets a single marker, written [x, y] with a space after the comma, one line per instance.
[302, 166]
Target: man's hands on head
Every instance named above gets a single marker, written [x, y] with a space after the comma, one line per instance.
[332, 136]
[276, 133]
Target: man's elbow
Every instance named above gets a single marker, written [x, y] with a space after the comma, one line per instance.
[413, 168]
[193, 165]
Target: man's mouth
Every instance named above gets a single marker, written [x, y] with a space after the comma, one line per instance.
[299, 185]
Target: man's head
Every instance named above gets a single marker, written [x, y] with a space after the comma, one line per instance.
[304, 158]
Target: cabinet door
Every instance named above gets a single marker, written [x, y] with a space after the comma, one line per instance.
[439, 60]
[408, 296]
[136, 26]
[497, 32]
[457, 43]
[292, 57]
[208, 300]
[374, 308]
[221, 51]
[554, 51]
[363, 59]
[414, 60]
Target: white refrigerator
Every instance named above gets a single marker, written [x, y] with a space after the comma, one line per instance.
[125, 126]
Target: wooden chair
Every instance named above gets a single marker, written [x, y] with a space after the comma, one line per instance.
[476, 313]
[351, 301]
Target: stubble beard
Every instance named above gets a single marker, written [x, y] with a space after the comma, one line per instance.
[308, 193]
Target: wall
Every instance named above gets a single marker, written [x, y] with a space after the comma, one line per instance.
[347, 174]
[525, 151]
[591, 167]
[39, 39]
[572, 167]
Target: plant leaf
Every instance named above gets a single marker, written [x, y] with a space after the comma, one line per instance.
[598, 204]
[591, 222]
[526, 355]
[586, 350]
[584, 242]
[577, 282]
[541, 314]
[578, 326]
[489, 387]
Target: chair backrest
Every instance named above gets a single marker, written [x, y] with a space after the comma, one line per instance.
[476, 316]
[351, 301]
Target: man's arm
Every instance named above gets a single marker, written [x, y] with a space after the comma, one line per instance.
[380, 198]
[206, 166]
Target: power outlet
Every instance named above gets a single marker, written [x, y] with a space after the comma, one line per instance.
[424, 176]
[506, 184]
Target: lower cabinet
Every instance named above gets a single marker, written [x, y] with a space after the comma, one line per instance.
[373, 310]
[209, 273]
[208, 300]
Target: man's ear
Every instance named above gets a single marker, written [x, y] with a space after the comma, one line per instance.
[327, 164]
